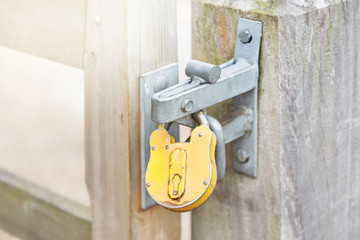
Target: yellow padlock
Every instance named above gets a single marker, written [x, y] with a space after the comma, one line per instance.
[182, 176]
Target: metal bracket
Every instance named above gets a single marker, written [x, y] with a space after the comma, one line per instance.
[209, 85]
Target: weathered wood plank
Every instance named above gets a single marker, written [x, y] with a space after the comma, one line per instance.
[319, 81]
[107, 119]
[42, 123]
[34, 213]
[308, 184]
[53, 29]
[152, 42]
[124, 39]
[241, 207]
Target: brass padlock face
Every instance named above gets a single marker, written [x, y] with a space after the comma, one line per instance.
[181, 176]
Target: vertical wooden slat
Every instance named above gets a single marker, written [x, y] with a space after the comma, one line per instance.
[123, 40]
[107, 119]
[320, 122]
[308, 184]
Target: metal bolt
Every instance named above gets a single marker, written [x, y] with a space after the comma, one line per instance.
[153, 148]
[200, 134]
[242, 156]
[167, 146]
[205, 182]
[148, 184]
[187, 105]
[245, 36]
[206, 71]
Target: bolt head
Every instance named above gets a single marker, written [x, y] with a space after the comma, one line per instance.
[148, 184]
[242, 156]
[200, 134]
[245, 36]
[205, 182]
[167, 146]
[187, 105]
[153, 148]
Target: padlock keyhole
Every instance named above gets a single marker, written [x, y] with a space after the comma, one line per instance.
[176, 182]
[177, 164]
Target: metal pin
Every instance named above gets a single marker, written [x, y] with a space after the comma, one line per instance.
[200, 134]
[187, 105]
[153, 148]
[209, 72]
[148, 184]
[205, 182]
[167, 146]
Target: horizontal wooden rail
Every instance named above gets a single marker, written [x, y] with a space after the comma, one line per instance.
[34, 213]
[52, 29]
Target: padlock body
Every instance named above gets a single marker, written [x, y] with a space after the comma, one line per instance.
[181, 176]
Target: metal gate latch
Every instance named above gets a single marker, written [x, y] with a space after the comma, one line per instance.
[162, 100]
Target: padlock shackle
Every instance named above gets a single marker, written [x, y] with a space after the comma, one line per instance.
[166, 125]
[200, 118]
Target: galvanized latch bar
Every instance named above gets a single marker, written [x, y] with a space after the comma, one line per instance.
[208, 85]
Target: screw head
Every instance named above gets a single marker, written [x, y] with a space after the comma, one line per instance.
[205, 182]
[153, 148]
[167, 146]
[148, 184]
[242, 156]
[187, 105]
[245, 36]
[200, 134]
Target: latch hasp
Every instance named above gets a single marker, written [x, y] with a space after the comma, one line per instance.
[245, 155]
[238, 80]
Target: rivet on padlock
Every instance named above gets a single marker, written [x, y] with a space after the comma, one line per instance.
[182, 176]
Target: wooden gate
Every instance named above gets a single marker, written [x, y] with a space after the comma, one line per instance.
[309, 117]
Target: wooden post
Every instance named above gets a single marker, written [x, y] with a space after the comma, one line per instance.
[308, 184]
[123, 40]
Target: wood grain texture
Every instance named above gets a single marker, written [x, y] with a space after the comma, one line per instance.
[308, 178]
[318, 72]
[33, 213]
[124, 39]
[52, 29]
[152, 43]
[241, 207]
[107, 119]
